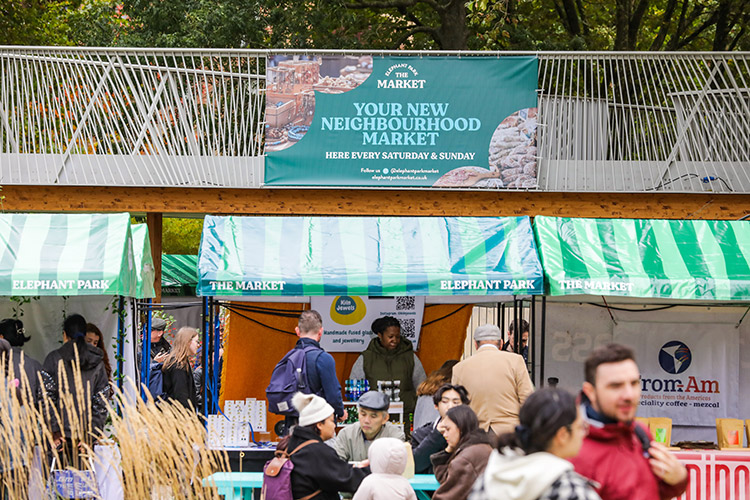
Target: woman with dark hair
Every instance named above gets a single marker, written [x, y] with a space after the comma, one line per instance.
[95, 338]
[178, 383]
[319, 473]
[531, 463]
[426, 411]
[390, 356]
[464, 459]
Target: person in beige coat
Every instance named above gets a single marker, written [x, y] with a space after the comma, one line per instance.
[497, 381]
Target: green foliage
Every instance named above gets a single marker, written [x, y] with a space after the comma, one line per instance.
[35, 22]
[181, 236]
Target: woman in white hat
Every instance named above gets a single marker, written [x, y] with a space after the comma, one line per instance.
[319, 474]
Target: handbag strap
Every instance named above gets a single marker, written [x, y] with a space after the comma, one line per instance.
[306, 443]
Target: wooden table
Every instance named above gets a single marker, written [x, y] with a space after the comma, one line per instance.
[716, 475]
[240, 485]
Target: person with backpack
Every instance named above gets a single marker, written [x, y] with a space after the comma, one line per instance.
[308, 369]
[318, 473]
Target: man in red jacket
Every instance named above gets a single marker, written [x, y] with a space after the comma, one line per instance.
[618, 455]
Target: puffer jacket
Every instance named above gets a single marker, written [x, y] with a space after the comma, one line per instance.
[59, 364]
[456, 472]
[398, 364]
[318, 468]
[511, 475]
[388, 458]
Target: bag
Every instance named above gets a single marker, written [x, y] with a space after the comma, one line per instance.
[156, 381]
[277, 476]
[288, 378]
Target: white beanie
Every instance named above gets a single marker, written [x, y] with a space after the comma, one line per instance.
[312, 409]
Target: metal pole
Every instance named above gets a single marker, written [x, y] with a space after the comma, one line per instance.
[120, 340]
[502, 319]
[516, 326]
[531, 344]
[216, 365]
[204, 354]
[543, 334]
[146, 352]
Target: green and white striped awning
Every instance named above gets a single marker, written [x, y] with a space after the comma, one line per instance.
[179, 275]
[671, 259]
[144, 262]
[374, 256]
[68, 254]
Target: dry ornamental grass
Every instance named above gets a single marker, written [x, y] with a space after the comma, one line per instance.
[162, 448]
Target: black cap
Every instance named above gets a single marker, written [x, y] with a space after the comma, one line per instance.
[374, 400]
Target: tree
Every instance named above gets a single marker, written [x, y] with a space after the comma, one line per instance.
[35, 22]
[614, 24]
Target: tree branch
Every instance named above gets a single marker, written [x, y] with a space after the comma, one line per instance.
[419, 29]
[658, 42]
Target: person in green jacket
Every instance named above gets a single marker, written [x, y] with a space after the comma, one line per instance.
[390, 356]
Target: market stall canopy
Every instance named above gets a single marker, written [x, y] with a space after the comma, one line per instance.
[144, 261]
[374, 256]
[68, 254]
[670, 259]
[179, 274]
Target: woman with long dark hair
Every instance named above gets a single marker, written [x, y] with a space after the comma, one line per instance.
[464, 459]
[95, 338]
[178, 383]
[531, 463]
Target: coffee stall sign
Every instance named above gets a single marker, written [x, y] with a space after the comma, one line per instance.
[401, 121]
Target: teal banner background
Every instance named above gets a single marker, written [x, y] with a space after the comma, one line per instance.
[416, 119]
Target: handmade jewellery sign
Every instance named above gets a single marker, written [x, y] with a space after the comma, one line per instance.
[347, 319]
[689, 373]
[401, 121]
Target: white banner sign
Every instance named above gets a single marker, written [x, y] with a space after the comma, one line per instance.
[689, 372]
[347, 319]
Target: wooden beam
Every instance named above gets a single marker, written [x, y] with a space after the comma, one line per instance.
[370, 202]
[154, 222]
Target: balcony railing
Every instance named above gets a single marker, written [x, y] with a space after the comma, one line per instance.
[608, 122]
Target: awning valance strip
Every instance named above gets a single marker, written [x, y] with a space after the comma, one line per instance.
[375, 256]
[673, 259]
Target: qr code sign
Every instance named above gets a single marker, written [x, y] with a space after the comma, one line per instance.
[405, 303]
[407, 328]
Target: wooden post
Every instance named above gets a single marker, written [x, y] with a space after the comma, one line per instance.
[154, 222]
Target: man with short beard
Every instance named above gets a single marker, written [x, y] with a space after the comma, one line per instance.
[618, 454]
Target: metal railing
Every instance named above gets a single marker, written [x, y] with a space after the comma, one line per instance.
[608, 122]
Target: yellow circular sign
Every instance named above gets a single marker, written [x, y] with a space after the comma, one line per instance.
[346, 310]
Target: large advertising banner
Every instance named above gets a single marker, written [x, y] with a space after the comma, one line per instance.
[401, 121]
[347, 319]
[689, 373]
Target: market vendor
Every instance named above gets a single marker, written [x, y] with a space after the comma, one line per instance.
[354, 440]
[390, 356]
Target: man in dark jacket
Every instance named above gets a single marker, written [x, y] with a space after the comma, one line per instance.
[320, 366]
[76, 361]
[427, 439]
[617, 454]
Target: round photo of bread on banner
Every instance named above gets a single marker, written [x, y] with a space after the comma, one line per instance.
[512, 157]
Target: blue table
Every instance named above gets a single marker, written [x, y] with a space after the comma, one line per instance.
[240, 485]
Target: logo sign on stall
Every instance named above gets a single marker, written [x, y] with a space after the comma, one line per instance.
[401, 121]
[347, 320]
[685, 368]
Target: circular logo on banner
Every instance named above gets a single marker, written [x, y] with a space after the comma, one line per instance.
[346, 310]
[675, 357]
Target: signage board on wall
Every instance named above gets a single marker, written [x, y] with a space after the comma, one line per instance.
[401, 121]
[347, 319]
[689, 373]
